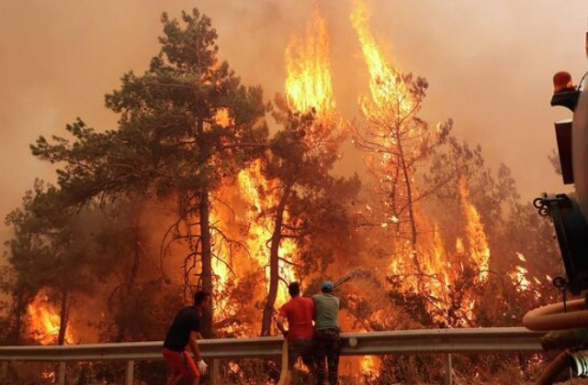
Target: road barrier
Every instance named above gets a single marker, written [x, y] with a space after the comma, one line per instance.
[440, 341]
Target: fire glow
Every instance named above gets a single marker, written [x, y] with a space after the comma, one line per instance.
[426, 267]
[44, 322]
[308, 88]
[308, 83]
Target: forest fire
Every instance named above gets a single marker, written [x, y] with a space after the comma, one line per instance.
[394, 137]
[308, 84]
[253, 210]
[308, 90]
[233, 262]
[44, 322]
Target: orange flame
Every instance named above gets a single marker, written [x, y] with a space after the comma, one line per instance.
[248, 224]
[308, 89]
[479, 250]
[308, 82]
[389, 92]
[370, 365]
[44, 322]
[519, 277]
[425, 268]
[251, 183]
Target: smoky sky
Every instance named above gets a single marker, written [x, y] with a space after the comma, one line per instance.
[489, 66]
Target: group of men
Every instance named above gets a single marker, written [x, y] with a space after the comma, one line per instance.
[313, 331]
[312, 334]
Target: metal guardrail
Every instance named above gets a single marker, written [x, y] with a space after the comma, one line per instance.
[447, 341]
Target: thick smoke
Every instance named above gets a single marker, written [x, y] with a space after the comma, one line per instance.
[489, 65]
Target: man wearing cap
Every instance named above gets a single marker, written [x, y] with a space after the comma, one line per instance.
[326, 341]
[298, 311]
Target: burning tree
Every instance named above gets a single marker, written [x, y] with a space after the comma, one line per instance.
[395, 138]
[50, 243]
[185, 125]
[424, 272]
[310, 206]
[431, 281]
[310, 203]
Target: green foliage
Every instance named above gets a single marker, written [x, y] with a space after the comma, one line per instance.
[170, 136]
[311, 204]
[185, 125]
[52, 250]
[303, 155]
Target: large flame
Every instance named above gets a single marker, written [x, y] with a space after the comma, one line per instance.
[427, 268]
[479, 250]
[308, 82]
[241, 245]
[388, 91]
[308, 89]
[251, 185]
[391, 134]
[44, 322]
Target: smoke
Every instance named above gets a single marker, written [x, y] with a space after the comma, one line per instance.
[489, 66]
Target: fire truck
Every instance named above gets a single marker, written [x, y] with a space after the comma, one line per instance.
[566, 322]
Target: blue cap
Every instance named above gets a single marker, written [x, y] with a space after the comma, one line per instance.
[327, 285]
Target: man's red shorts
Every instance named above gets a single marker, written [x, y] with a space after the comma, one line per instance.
[181, 363]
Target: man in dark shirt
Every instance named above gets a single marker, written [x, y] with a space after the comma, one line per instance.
[183, 332]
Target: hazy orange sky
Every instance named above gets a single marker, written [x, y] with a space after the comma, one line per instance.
[489, 65]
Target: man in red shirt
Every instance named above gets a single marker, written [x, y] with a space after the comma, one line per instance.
[299, 312]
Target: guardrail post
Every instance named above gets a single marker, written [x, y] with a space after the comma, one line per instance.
[448, 380]
[61, 373]
[129, 372]
[214, 372]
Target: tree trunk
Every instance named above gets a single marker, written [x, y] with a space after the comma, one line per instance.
[21, 300]
[122, 328]
[268, 310]
[410, 204]
[205, 237]
[63, 316]
[206, 274]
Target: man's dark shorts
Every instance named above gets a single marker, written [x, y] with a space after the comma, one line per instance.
[300, 348]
